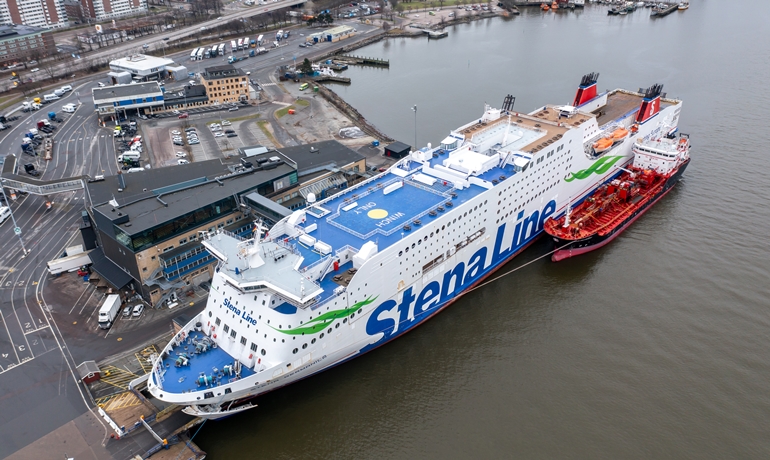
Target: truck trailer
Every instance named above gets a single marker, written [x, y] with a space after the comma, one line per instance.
[109, 310]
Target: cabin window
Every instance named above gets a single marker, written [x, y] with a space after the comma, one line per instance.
[253, 347]
[233, 333]
[226, 328]
[243, 340]
[218, 321]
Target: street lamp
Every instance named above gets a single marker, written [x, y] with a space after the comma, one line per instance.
[414, 109]
[16, 228]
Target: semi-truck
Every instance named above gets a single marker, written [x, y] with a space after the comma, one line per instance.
[109, 310]
[74, 259]
[233, 59]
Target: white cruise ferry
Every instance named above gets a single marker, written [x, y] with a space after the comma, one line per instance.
[356, 270]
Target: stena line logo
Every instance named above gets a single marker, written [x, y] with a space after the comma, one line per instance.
[393, 315]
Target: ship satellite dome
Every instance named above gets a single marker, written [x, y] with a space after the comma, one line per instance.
[311, 197]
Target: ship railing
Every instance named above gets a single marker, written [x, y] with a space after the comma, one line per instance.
[347, 248]
[326, 300]
[430, 189]
[233, 235]
[286, 245]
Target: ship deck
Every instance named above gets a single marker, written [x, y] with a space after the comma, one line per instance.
[621, 104]
[184, 379]
[382, 217]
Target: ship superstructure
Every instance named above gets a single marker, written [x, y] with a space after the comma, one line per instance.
[355, 270]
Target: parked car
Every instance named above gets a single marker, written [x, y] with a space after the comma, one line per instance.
[196, 141]
[226, 123]
[183, 115]
[182, 161]
[127, 311]
[219, 134]
[178, 143]
[181, 155]
[232, 109]
[187, 130]
[175, 132]
[138, 309]
[176, 112]
[35, 70]
[232, 134]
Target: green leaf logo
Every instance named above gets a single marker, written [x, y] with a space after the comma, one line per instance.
[319, 324]
[600, 166]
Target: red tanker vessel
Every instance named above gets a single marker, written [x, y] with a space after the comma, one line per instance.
[658, 164]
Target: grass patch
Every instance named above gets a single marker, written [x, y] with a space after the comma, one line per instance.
[263, 127]
[302, 103]
[282, 112]
[10, 100]
[245, 117]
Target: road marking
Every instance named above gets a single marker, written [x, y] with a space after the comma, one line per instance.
[38, 329]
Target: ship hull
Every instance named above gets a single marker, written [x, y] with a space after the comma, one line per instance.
[572, 248]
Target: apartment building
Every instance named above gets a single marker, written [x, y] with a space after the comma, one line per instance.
[48, 14]
[23, 43]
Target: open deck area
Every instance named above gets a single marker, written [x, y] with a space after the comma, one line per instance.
[211, 363]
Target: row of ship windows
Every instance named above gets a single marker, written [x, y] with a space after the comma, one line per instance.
[443, 227]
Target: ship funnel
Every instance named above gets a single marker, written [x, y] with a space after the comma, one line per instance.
[587, 89]
[650, 104]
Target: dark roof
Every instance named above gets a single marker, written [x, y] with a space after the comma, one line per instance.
[398, 147]
[108, 269]
[193, 93]
[313, 157]
[133, 89]
[11, 30]
[222, 71]
[147, 211]
[126, 188]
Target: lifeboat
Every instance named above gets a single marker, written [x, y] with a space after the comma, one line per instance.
[619, 134]
[545, 7]
[602, 145]
[554, 5]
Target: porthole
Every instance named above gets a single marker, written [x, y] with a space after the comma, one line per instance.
[322, 335]
[413, 245]
[312, 341]
[336, 326]
[295, 351]
[344, 320]
[304, 345]
[209, 313]
[263, 352]
[400, 253]
[329, 331]
[352, 315]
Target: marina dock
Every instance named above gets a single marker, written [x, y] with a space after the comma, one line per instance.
[436, 34]
[661, 12]
[363, 61]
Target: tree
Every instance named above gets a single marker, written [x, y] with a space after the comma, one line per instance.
[385, 26]
[306, 67]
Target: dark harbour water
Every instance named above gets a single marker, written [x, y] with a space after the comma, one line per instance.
[656, 346]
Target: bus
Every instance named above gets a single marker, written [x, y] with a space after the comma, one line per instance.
[303, 86]
[194, 54]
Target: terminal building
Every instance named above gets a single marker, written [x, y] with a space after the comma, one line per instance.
[148, 224]
[126, 100]
[139, 67]
[334, 34]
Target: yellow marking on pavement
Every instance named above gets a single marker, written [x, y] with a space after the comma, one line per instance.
[118, 401]
[144, 357]
[117, 377]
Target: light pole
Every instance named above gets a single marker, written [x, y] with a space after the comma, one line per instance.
[414, 108]
[16, 228]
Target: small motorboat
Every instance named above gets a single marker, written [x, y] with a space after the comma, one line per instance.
[554, 5]
[545, 7]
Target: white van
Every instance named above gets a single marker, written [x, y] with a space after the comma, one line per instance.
[66, 88]
[133, 170]
[50, 97]
[59, 92]
[69, 108]
[5, 213]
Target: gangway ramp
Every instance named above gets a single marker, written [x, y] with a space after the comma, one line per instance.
[11, 179]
